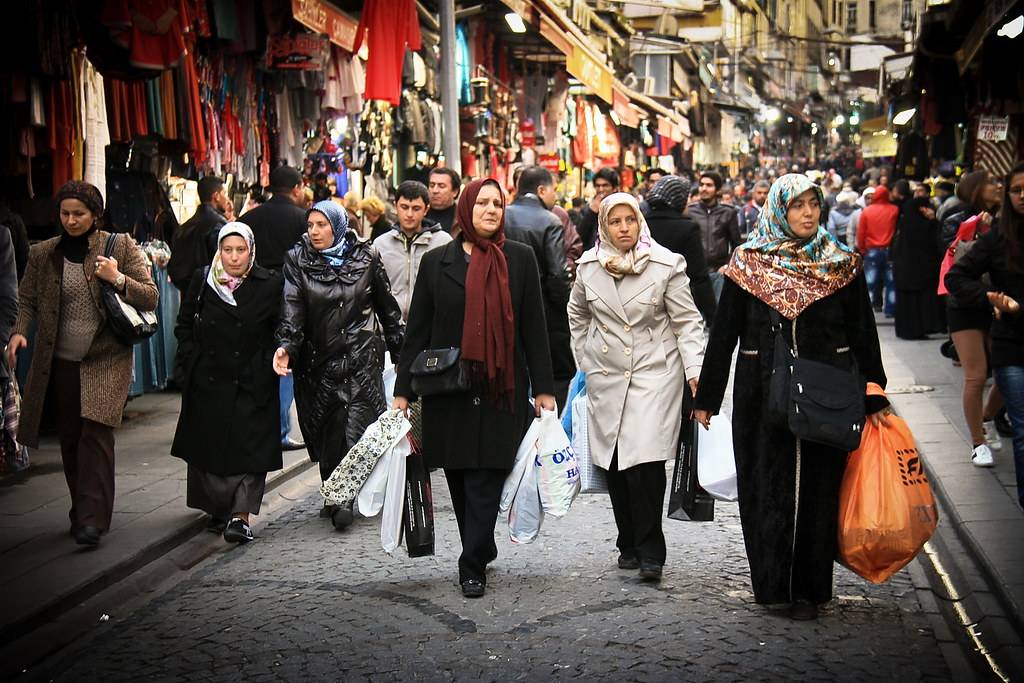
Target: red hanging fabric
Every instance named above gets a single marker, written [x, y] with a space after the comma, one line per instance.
[393, 25]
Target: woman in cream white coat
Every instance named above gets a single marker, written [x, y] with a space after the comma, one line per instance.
[638, 336]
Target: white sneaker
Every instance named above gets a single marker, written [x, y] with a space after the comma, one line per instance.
[982, 456]
[992, 438]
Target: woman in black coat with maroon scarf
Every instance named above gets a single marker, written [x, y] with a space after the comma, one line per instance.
[480, 294]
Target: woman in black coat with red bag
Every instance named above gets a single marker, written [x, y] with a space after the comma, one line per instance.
[479, 294]
[228, 427]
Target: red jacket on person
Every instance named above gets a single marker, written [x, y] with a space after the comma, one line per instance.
[877, 223]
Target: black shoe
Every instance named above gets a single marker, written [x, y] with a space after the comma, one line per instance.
[629, 562]
[87, 535]
[473, 588]
[342, 517]
[651, 571]
[1003, 425]
[216, 525]
[803, 610]
[292, 445]
[238, 532]
[326, 511]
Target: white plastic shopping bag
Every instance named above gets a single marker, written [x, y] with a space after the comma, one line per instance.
[390, 376]
[525, 457]
[592, 478]
[716, 463]
[394, 501]
[371, 497]
[558, 476]
[526, 514]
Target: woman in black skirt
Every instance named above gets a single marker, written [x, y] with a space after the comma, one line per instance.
[228, 427]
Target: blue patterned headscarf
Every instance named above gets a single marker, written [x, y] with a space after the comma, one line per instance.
[787, 272]
[343, 237]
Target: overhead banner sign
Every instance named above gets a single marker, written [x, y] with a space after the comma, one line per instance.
[627, 115]
[993, 128]
[321, 17]
[591, 73]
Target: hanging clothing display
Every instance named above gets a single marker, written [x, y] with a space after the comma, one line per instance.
[393, 26]
[92, 107]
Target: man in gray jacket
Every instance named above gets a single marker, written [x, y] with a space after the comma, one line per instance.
[529, 220]
[402, 248]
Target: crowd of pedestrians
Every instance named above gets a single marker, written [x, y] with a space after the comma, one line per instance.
[646, 293]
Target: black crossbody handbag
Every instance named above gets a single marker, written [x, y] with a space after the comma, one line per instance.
[129, 324]
[816, 401]
[436, 372]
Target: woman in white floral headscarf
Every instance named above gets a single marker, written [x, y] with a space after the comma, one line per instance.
[638, 336]
[228, 428]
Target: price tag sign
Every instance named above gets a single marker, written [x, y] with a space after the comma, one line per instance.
[993, 128]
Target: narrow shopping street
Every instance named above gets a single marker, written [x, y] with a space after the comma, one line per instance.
[305, 601]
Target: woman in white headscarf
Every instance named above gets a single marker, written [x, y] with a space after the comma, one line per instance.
[638, 336]
[228, 430]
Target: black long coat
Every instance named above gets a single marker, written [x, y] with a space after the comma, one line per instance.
[467, 431]
[326, 327]
[229, 421]
[786, 565]
[677, 233]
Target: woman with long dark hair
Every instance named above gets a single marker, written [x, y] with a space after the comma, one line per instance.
[479, 294]
[1000, 254]
[970, 321]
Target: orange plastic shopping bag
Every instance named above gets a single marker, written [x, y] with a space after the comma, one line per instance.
[886, 509]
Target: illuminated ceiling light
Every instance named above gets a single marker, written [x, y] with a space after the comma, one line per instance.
[515, 22]
[772, 114]
[854, 119]
[1012, 29]
[904, 116]
[789, 119]
[838, 120]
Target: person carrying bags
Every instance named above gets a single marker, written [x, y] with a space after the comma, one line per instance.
[475, 346]
[638, 336]
[793, 293]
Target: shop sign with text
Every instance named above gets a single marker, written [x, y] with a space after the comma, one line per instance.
[322, 17]
[591, 73]
[302, 52]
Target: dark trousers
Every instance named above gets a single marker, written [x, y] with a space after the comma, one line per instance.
[475, 496]
[87, 450]
[638, 500]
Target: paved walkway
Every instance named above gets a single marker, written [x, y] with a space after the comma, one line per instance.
[981, 503]
[42, 568]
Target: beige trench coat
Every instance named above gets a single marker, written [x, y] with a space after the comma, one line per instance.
[637, 343]
[106, 370]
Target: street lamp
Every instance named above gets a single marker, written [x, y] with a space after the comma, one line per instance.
[515, 22]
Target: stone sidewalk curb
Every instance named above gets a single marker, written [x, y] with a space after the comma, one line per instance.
[124, 566]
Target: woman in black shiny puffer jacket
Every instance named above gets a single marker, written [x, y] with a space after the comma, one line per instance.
[334, 288]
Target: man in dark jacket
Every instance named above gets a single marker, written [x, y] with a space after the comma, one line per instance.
[606, 181]
[278, 223]
[674, 231]
[443, 184]
[719, 226]
[529, 220]
[195, 240]
[19, 237]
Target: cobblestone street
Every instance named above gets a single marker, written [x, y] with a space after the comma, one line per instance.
[305, 602]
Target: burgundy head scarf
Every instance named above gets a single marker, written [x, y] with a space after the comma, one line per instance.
[488, 331]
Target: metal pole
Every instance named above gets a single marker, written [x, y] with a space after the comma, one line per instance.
[449, 87]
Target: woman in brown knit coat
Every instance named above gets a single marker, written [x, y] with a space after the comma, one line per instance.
[75, 354]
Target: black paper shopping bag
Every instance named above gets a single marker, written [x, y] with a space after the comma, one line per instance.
[687, 501]
[418, 512]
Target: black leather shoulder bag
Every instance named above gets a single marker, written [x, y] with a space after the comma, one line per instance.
[436, 372]
[816, 401]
